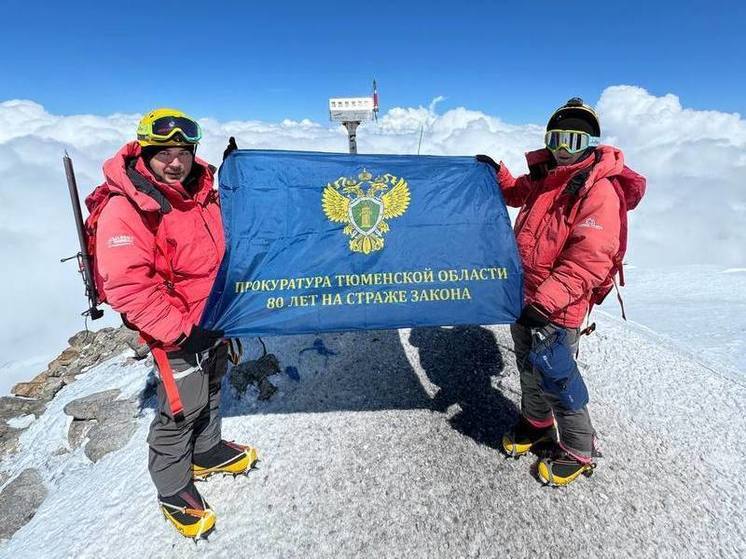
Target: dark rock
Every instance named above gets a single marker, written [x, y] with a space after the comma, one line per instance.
[13, 407]
[20, 500]
[108, 423]
[53, 386]
[59, 366]
[141, 351]
[89, 407]
[27, 389]
[266, 389]
[256, 373]
[44, 387]
[128, 337]
[70, 373]
[105, 334]
[93, 356]
[117, 410]
[68, 356]
[108, 436]
[8, 439]
[79, 429]
[32, 389]
[81, 339]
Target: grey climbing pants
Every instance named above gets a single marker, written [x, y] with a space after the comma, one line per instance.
[173, 443]
[575, 429]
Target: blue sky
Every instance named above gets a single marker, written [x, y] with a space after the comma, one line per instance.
[274, 60]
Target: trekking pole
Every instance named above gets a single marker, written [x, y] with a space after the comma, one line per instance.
[83, 258]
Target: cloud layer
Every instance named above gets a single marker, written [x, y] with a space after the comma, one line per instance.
[694, 211]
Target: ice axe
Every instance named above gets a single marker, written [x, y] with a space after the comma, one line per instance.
[83, 258]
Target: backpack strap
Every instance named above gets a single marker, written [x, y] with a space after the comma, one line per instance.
[619, 295]
[169, 384]
[578, 180]
[143, 185]
[623, 228]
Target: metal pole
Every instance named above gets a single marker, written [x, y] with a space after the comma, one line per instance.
[352, 133]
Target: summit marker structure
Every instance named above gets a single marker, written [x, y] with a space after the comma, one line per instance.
[352, 111]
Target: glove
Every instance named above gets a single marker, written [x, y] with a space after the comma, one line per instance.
[232, 146]
[200, 339]
[491, 162]
[533, 316]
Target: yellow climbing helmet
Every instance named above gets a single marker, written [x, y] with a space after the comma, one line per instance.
[166, 127]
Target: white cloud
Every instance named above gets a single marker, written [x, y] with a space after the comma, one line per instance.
[694, 211]
[695, 162]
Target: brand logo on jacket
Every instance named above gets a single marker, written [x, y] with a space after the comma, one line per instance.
[120, 241]
[364, 204]
[590, 223]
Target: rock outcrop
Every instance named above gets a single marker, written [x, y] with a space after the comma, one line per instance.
[101, 423]
[85, 349]
[20, 500]
[10, 408]
[108, 423]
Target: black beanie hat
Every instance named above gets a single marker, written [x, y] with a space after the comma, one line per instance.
[575, 115]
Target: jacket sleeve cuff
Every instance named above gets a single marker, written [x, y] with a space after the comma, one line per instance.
[550, 304]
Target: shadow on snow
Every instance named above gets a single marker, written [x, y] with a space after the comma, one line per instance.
[370, 371]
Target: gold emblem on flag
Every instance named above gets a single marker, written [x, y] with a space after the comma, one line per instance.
[364, 204]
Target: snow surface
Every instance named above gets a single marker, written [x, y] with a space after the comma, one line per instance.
[21, 421]
[699, 309]
[384, 444]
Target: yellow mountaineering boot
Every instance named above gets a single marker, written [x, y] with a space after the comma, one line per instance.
[188, 512]
[523, 436]
[562, 468]
[224, 458]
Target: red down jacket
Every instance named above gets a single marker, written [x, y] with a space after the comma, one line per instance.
[160, 285]
[567, 240]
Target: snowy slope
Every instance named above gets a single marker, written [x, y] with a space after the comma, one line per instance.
[384, 444]
[700, 309]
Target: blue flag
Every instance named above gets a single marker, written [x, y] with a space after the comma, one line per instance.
[321, 242]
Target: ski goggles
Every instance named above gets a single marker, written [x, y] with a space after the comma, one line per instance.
[572, 140]
[166, 127]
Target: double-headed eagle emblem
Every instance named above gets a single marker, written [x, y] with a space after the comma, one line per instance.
[364, 204]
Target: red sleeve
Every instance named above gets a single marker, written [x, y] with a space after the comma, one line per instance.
[515, 191]
[588, 255]
[125, 253]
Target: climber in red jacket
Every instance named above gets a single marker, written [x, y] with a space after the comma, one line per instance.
[158, 245]
[571, 235]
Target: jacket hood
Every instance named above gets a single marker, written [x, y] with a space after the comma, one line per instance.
[605, 162]
[127, 174]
